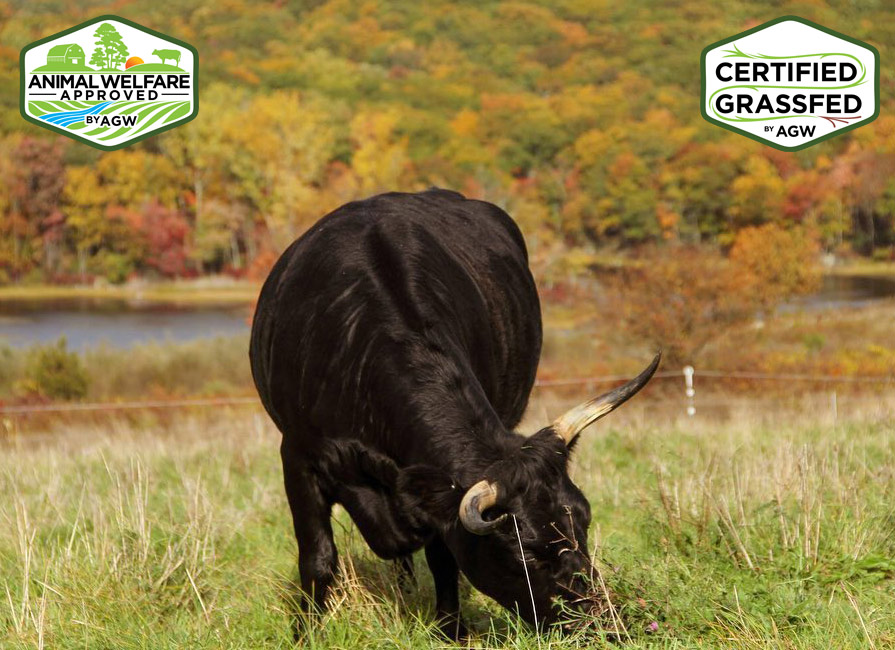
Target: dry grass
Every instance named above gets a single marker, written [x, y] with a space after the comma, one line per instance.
[203, 291]
[746, 528]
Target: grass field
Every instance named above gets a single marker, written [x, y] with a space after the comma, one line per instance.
[742, 532]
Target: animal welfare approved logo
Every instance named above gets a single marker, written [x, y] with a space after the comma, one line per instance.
[109, 82]
[790, 83]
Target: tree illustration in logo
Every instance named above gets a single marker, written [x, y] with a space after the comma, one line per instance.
[98, 57]
[110, 52]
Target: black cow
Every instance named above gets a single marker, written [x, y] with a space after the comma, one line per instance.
[395, 345]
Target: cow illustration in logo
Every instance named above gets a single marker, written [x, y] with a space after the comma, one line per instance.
[174, 55]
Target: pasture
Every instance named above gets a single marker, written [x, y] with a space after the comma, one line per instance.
[752, 529]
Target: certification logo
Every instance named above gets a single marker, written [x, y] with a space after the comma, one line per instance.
[109, 82]
[790, 83]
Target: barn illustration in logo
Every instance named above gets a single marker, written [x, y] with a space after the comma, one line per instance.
[109, 82]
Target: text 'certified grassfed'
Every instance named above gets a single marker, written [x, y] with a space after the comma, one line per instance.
[790, 83]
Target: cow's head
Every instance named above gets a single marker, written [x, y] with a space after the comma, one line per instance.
[530, 491]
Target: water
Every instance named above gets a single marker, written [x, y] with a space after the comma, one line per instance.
[838, 292]
[87, 322]
[67, 118]
[123, 323]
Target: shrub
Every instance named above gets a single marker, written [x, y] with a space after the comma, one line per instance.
[10, 368]
[777, 263]
[680, 299]
[55, 372]
[160, 370]
[116, 267]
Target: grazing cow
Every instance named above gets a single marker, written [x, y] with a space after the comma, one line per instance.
[395, 345]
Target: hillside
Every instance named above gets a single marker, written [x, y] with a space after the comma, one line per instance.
[581, 118]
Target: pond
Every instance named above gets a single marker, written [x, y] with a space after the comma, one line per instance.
[123, 323]
[838, 291]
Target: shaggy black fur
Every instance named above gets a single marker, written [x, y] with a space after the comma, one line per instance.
[395, 345]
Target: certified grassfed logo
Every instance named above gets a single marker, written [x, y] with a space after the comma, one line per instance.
[109, 82]
[790, 83]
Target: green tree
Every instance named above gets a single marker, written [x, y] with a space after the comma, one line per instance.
[112, 50]
[98, 58]
[106, 235]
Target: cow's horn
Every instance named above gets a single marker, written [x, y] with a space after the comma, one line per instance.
[573, 422]
[478, 498]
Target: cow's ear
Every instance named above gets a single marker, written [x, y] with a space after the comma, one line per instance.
[430, 494]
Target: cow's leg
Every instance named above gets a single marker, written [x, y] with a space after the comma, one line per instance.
[406, 577]
[311, 512]
[447, 597]
[379, 521]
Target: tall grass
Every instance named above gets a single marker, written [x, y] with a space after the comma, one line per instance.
[580, 341]
[202, 367]
[752, 531]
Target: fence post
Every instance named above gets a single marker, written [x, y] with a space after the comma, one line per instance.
[690, 392]
[834, 402]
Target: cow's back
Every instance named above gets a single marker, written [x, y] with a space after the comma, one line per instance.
[350, 313]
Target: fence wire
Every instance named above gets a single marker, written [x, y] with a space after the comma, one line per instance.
[25, 409]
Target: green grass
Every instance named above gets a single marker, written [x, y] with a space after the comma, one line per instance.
[43, 107]
[154, 67]
[743, 532]
[62, 67]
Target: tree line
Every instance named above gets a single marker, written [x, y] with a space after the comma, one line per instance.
[580, 118]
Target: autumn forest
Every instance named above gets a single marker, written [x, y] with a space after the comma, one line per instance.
[580, 117]
[742, 499]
